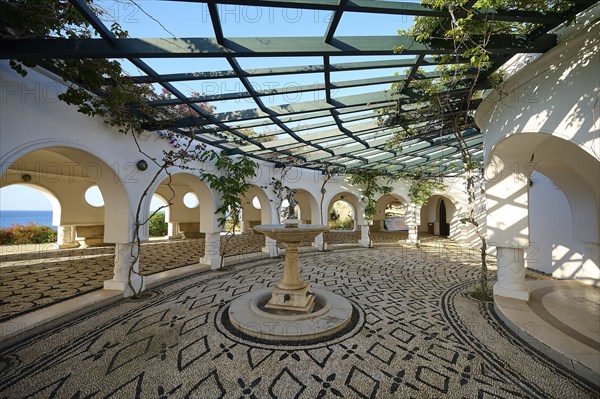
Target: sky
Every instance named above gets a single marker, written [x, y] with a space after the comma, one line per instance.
[22, 198]
[188, 19]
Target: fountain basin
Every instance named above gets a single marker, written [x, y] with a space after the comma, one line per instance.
[297, 234]
[249, 315]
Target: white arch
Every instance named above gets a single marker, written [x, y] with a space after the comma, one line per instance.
[570, 168]
[351, 199]
[46, 192]
[118, 221]
[266, 208]
[568, 165]
[207, 198]
[312, 204]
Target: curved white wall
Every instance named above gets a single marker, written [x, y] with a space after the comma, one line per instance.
[545, 120]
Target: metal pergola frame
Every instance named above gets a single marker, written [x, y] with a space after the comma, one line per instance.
[350, 137]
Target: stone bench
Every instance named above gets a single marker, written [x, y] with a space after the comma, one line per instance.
[90, 236]
[190, 230]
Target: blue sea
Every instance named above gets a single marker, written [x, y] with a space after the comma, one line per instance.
[42, 218]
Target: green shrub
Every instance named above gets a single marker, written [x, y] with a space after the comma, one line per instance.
[30, 234]
[334, 216]
[6, 236]
[346, 224]
[158, 226]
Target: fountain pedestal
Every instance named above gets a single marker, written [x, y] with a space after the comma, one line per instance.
[291, 293]
[290, 311]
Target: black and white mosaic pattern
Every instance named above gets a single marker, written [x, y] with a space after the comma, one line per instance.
[419, 336]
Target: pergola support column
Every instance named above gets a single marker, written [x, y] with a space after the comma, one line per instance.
[212, 250]
[364, 235]
[66, 237]
[173, 231]
[412, 223]
[124, 256]
[319, 242]
[270, 247]
[511, 274]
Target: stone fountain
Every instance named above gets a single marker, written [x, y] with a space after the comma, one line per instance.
[291, 310]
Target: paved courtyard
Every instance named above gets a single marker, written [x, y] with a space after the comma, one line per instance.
[33, 280]
[416, 334]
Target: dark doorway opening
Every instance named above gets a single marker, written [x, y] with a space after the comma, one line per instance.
[444, 226]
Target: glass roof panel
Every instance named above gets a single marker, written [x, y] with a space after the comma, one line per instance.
[153, 19]
[187, 65]
[360, 90]
[253, 21]
[338, 76]
[359, 80]
[362, 24]
[275, 62]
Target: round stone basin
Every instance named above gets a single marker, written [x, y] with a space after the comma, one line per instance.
[280, 232]
[248, 316]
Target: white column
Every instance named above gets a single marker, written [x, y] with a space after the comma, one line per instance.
[212, 250]
[173, 231]
[270, 247]
[66, 237]
[507, 221]
[364, 235]
[411, 222]
[319, 242]
[123, 260]
[245, 227]
[511, 274]
[413, 234]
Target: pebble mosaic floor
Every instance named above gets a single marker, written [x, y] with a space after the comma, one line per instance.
[417, 335]
[34, 280]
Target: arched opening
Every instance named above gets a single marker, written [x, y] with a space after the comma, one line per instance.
[390, 214]
[192, 206]
[159, 213]
[563, 240]
[350, 203]
[444, 225]
[439, 216]
[256, 209]
[550, 207]
[308, 208]
[68, 174]
[24, 206]
[342, 215]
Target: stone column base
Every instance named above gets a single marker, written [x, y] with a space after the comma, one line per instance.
[270, 247]
[521, 295]
[137, 282]
[66, 246]
[213, 261]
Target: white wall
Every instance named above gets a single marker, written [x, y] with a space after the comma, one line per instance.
[544, 118]
[552, 249]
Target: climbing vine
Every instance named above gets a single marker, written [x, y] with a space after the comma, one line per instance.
[279, 187]
[231, 182]
[373, 182]
[422, 188]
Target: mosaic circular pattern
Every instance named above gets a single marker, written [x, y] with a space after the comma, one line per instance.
[419, 337]
[226, 328]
